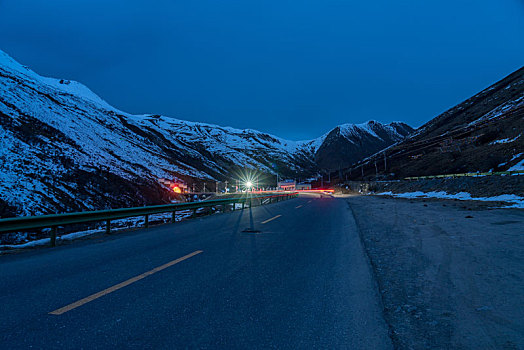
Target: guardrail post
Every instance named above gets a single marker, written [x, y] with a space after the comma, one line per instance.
[173, 217]
[54, 230]
[146, 223]
[108, 227]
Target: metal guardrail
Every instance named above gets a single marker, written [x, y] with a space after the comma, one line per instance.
[54, 220]
[517, 172]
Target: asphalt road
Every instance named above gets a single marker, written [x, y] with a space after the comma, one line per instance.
[302, 282]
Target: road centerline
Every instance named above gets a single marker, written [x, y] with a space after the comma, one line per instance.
[299, 206]
[273, 218]
[120, 285]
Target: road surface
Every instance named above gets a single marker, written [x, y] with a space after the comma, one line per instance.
[303, 281]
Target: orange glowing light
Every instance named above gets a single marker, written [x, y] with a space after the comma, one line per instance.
[177, 189]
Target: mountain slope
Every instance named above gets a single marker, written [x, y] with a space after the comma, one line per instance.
[483, 133]
[64, 148]
[349, 143]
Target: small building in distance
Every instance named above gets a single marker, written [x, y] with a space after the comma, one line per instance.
[177, 185]
[303, 186]
[287, 185]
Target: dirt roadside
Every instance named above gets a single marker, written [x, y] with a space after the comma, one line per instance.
[483, 186]
[451, 274]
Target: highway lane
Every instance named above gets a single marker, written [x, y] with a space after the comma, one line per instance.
[302, 282]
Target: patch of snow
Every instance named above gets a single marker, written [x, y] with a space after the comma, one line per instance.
[353, 130]
[508, 140]
[117, 225]
[517, 167]
[516, 201]
[500, 110]
[516, 156]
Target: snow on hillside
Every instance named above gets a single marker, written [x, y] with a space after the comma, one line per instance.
[513, 200]
[481, 134]
[68, 86]
[501, 110]
[64, 148]
[353, 133]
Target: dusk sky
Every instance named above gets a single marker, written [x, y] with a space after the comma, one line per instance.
[292, 68]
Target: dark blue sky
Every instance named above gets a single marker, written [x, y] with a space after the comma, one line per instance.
[294, 68]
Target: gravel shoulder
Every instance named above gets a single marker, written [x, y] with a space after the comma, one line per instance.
[450, 273]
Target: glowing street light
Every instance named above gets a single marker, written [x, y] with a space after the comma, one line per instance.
[249, 184]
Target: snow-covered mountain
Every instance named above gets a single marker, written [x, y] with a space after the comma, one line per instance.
[64, 148]
[349, 143]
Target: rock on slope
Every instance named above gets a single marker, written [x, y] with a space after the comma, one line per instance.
[483, 133]
[64, 148]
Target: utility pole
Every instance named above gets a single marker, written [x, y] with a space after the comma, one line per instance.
[226, 186]
[204, 187]
[376, 169]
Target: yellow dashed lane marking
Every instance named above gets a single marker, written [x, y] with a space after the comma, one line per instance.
[273, 218]
[120, 285]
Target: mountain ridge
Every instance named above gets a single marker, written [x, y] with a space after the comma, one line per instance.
[484, 133]
[65, 148]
